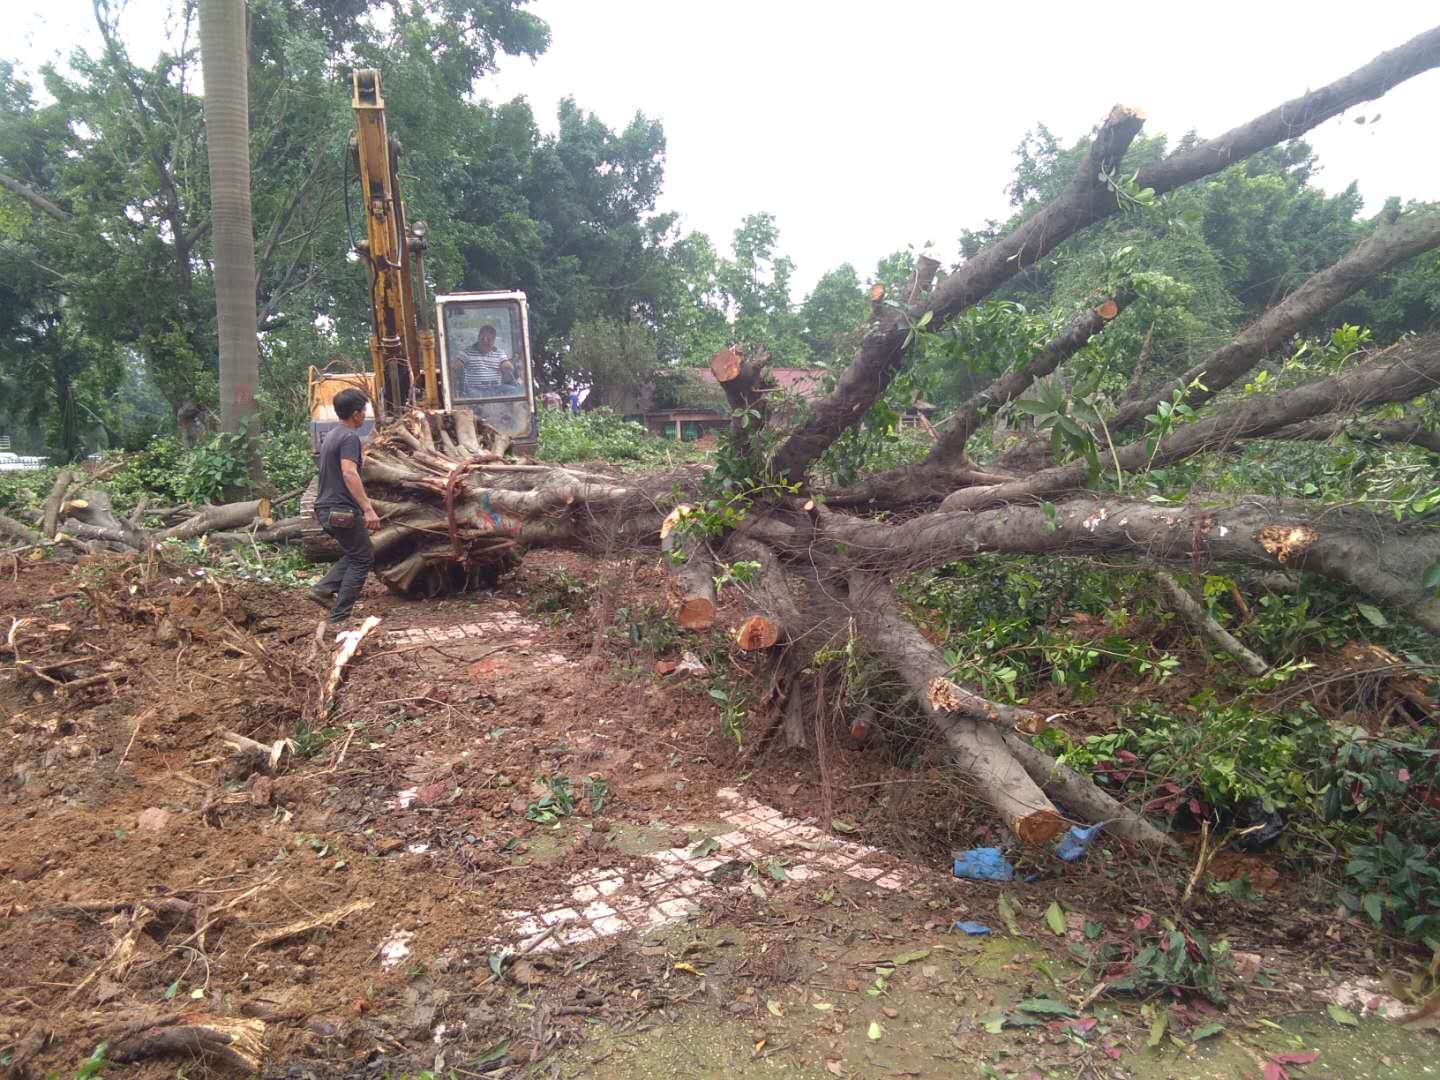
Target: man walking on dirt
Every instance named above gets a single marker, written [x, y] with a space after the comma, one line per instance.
[343, 509]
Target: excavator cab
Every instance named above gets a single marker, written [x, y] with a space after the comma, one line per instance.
[485, 361]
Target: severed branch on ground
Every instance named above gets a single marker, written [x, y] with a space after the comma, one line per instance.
[1195, 613]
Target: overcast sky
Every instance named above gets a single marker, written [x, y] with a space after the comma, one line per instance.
[864, 127]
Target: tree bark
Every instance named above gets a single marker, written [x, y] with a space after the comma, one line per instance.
[1367, 552]
[20, 531]
[33, 197]
[227, 130]
[217, 518]
[1404, 432]
[50, 512]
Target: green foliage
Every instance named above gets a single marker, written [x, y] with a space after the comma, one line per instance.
[734, 706]
[286, 456]
[557, 802]
[601, 435]
[740, 572]
[1221, 755]
[155, 473]
[995, 615]
[166, 474]
[1167, 416]
[1340, 789]
[25, 490]
[1158, 958]
[1071, 417]
[832, 315]
[1381, 791]
[647, 627]
[606, 354]
[216, 466]
[95, 1065]
[560, 594]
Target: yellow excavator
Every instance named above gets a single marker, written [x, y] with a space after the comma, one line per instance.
[480, 358]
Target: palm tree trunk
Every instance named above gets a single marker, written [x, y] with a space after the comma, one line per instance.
[227, 135]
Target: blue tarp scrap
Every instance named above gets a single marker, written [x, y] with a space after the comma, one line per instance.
[974, 929]
[1076, 841]
[983, 864]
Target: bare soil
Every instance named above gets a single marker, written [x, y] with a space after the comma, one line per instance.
[148, 872]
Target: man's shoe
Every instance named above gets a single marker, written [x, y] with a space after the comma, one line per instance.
[323, 598]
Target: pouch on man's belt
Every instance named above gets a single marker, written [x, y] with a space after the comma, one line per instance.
[340, 519]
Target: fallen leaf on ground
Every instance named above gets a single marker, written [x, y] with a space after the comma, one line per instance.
[1055, 918]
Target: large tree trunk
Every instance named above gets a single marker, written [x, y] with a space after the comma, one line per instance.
[227, 136]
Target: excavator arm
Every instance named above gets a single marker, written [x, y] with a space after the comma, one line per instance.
[402, 346]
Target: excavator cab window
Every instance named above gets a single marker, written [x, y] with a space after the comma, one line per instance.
[485, 360]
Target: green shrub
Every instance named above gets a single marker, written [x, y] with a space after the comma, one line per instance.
[156, 473]
[25, 490]
[1218, 756]
[288, 460]
[995, 614]
[1375, 800]
[1383, 794]
[601, 435]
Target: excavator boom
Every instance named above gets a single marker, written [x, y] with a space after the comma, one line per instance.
[402, 348]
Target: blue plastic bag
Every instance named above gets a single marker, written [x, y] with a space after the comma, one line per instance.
[1075, 842]
[983, 864]
[974, 929]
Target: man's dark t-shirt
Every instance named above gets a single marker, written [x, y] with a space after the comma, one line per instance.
[341, 444]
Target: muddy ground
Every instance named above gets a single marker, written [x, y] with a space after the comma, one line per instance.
[408, 887]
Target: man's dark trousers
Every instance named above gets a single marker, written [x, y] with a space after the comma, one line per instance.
[347, 577]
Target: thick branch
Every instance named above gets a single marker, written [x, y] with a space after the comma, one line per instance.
[692, 569]
[1413, 369]
[774, 617]
[50, 513]
[219, 518]
[26, 535]
[945, 467]
[1082, 797]
[1367, 552]
[1407, 432]
[1195, 613]
[745, 384]
[970, 725]
[33, 197]
[1296, 116]
[974, 413]
[1386, 247]
[1086, 199]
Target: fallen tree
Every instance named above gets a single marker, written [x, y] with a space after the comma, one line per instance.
[456, 510]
